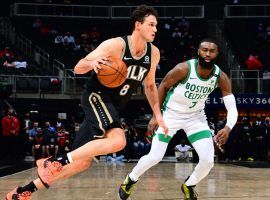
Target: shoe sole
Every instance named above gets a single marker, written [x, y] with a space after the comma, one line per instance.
[39, 164]
[122, 199]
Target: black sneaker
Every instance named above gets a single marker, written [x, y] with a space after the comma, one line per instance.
[126, 188]
[189, 192]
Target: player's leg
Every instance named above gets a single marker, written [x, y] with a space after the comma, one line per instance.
[102, 121]
[158, 149]
[205, 151]
[75, 167]
[113, 142]
[200, 137]
[68, 170]
[83, 136]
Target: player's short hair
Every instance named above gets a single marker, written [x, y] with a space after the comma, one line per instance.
[211, 40]
[140, 13]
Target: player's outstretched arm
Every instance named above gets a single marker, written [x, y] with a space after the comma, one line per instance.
[230, 104]
[110, 47]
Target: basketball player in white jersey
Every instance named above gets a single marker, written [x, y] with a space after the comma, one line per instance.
[183, 92]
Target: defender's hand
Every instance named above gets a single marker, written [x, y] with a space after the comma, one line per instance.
[222, 135]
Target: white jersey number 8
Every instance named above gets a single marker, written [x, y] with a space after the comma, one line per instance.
[124, 90]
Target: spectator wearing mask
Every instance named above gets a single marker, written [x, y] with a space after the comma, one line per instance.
[63, 140]
[33, 131]
[30, 139]
[38, 148]
[50, 139]
[10, 124]
[10, 132]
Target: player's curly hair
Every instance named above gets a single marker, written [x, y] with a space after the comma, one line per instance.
[140, 13]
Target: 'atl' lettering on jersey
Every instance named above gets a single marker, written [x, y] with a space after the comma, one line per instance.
[136, 72]
[197, 91]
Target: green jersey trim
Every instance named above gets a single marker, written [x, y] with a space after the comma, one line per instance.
[217, 80]
[168, 96]
[197, 73]
[188, 75]
[199, 135]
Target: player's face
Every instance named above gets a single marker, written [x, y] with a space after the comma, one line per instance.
[148, 28]
[208, 52]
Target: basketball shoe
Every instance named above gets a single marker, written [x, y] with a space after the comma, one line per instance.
[189, 192]
[13, 195]
[126, 188]
[47, 170]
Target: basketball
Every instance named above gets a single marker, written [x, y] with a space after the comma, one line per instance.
[113, 73]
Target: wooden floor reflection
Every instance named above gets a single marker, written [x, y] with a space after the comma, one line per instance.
[159, 183]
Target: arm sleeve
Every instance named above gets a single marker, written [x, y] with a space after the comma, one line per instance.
[232, 113]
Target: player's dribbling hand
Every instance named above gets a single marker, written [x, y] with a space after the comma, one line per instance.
[96, 63]
[222, 135]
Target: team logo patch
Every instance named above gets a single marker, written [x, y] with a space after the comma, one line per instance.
[146, 59]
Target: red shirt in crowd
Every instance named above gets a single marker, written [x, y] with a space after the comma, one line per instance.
[6, 53]
[253, 63]
[11, 126]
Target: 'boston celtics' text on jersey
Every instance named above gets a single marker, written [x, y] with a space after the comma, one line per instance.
[190, 94]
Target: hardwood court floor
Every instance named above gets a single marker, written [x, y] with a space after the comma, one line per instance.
[162, 182]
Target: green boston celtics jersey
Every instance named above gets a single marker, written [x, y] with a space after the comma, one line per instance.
[190, 94]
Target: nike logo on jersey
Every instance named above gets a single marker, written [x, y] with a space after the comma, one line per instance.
[126, 58]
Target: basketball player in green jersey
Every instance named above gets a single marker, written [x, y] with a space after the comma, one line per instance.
[183, 92]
